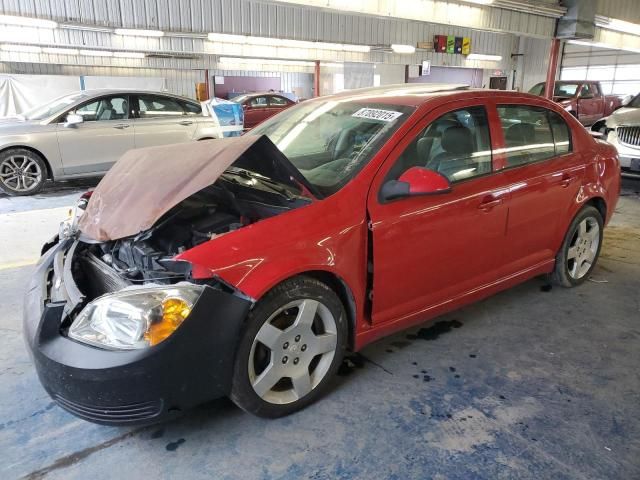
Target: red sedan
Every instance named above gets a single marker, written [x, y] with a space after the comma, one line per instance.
[347, 218]
[260, 106]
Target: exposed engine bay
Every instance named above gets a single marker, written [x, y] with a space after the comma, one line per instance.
[237, 199]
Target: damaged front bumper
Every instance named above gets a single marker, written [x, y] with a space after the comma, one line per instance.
[193, 365]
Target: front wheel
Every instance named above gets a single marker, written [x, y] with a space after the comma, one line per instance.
[292, 346]
[22, 172]
[580, 250]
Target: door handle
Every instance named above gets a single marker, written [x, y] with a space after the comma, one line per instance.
[566, 180]
[489, 203]
[120, 126]
[185, 122]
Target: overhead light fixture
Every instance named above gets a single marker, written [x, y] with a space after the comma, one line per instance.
[96, 53]
[21, 48]
[27, 21]
[621, 26]
[480, 2]
[265, 61]
[482, 56]
[60, 51]
[403, 48]
[286, 43]
[138, 33]
[129, 54]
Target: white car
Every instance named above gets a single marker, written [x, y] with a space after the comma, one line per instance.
[84, 133]
[622, 129]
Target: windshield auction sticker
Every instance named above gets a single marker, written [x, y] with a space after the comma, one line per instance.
[377, 114]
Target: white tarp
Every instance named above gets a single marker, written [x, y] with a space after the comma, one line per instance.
[22, 92]
[157, 84]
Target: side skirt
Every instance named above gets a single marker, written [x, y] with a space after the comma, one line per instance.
[387, 328]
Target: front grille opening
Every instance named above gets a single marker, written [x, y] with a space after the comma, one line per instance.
[629, 135]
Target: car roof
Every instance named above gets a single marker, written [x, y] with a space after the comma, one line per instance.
[418, 94]
[259, 94]
[108, 91]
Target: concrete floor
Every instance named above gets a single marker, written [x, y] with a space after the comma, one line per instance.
[531, 383]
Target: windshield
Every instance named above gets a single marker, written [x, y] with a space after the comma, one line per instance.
[240, 98]
[51, 108]
[330, 141]
[635, 103]
[560, 90]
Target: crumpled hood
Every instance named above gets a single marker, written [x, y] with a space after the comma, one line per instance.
[624, 116]
[146, 183]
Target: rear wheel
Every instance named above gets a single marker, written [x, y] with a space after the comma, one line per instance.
[580, 250]
[292, 346]
[22, 172]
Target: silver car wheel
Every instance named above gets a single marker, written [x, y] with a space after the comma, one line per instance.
[293, 351]
[583, 248]
[20, 173]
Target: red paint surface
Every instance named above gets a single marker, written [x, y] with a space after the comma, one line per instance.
[431, 253]
[421, 180]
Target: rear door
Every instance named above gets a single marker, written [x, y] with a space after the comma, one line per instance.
[105, 134]
[256, 110]
[278, 104]
[590, 104]
[429, 250]
[161, 120]
[544, 174]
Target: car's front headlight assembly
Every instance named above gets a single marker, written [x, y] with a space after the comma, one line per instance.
[136, 318]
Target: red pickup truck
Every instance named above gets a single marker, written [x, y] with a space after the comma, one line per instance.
[583, 99]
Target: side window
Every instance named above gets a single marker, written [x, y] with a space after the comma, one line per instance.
[106, 108]
[277, 101]
[586, 91]
[594, 89]
[258, 102]
[155, 106]
[456, 145]
[527, 134]
[561, 133]
[191, 108]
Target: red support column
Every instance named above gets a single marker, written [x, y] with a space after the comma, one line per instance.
[316, 79]
[550, 84]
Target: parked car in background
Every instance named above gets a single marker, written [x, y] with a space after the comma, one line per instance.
[84, 133]
[260, 106]
[622, 129]
[582, 99]
[342, 220]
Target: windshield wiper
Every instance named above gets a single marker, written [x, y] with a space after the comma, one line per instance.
[266, 181]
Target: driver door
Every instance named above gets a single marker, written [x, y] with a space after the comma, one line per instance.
[106, 133]
[431, 250]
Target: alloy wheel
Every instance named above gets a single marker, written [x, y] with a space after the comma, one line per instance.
[583, 248]
[293, 351]
[20, 173]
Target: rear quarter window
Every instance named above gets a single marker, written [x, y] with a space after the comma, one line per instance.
[532, 134]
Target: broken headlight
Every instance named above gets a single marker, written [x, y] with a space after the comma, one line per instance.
[133, 319]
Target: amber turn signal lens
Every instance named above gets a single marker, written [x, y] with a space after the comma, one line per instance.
[174, 311]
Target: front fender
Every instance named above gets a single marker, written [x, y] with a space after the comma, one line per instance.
[325, 236]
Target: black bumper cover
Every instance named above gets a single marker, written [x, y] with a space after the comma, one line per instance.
[192, 366]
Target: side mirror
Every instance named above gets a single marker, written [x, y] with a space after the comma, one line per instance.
[415, 181]
[586, 97]
[73, 119]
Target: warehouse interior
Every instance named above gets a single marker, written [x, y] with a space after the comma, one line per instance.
[534, 381]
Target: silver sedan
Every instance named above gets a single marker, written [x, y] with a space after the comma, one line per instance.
[622, 129]
[84, 133]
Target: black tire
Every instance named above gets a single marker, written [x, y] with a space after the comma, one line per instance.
[561, 274]
[295, 289]
[37, 170]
